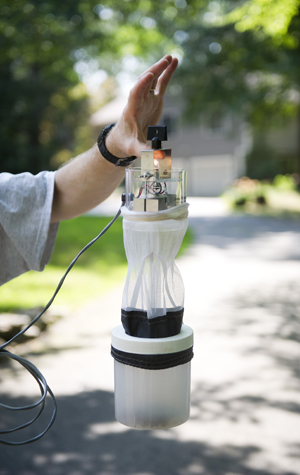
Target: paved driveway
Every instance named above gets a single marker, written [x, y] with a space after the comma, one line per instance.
[242, 278]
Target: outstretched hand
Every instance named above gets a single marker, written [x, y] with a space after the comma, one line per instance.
[144, 108]
[87, 181]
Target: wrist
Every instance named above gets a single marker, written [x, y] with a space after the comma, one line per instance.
[111, 142]
[118, 161]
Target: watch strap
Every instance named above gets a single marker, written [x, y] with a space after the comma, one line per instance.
[118, 162]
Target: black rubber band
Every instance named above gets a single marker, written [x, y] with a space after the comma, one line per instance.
[153, 362]
[136, 323]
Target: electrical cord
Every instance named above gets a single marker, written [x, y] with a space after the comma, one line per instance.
[31, 368]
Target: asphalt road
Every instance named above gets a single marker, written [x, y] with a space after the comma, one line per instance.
[242, 278]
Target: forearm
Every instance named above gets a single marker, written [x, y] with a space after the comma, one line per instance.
[83, 183]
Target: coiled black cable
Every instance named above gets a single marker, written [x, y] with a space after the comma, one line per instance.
[31, 368]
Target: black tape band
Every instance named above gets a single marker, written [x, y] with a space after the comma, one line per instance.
[168, 360]
[136, 323]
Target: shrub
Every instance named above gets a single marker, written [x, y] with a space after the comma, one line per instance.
[285, 182]
[245, 190]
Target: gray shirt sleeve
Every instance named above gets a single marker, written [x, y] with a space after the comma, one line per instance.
[26, 235]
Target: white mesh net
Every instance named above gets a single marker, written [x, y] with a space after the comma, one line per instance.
[153, 284]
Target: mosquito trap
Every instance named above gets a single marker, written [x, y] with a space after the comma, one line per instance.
[152, 348]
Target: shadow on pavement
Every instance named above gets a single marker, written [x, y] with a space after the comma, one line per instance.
[261, 322]
[80, 443]
[272, 316]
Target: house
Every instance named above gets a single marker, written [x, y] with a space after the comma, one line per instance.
[214, 156]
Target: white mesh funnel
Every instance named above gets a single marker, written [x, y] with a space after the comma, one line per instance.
[153, 297]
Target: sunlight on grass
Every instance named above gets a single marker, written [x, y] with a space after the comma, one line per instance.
[34, 289]
[101, 267]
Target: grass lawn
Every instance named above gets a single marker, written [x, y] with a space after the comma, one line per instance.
[100, 268]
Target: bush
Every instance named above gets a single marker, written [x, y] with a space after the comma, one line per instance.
[285, 182]
[245, 190]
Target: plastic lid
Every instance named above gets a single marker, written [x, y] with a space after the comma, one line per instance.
[152, 346]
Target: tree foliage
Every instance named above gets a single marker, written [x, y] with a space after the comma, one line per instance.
[45, 48]
[272, 17]
[236, 54]
[240, 55]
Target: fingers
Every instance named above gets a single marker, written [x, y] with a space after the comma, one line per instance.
[157, 76]
[159, 73]
[163, 72]
[165, 78]
[158, 68]
[141, 89]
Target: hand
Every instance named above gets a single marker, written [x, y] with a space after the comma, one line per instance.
[87, 181]
[144, 108]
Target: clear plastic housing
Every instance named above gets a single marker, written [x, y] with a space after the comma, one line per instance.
[152, 399]
[147, 185]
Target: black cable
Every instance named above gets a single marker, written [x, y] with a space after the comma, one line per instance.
[31, 368]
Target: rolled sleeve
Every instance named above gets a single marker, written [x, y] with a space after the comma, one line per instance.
[26, 236]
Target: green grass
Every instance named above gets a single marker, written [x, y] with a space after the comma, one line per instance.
[100, 268]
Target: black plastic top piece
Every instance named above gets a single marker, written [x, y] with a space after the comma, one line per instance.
[157, 133]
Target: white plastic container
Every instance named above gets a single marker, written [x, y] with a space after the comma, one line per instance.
[153, 398]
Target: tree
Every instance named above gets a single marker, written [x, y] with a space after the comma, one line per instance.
[45, 48]
[242, 55]
[239, 55]
[272, 17]
[40, 102]
[235, 56]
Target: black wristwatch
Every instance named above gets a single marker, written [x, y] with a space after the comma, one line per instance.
[118, 162]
